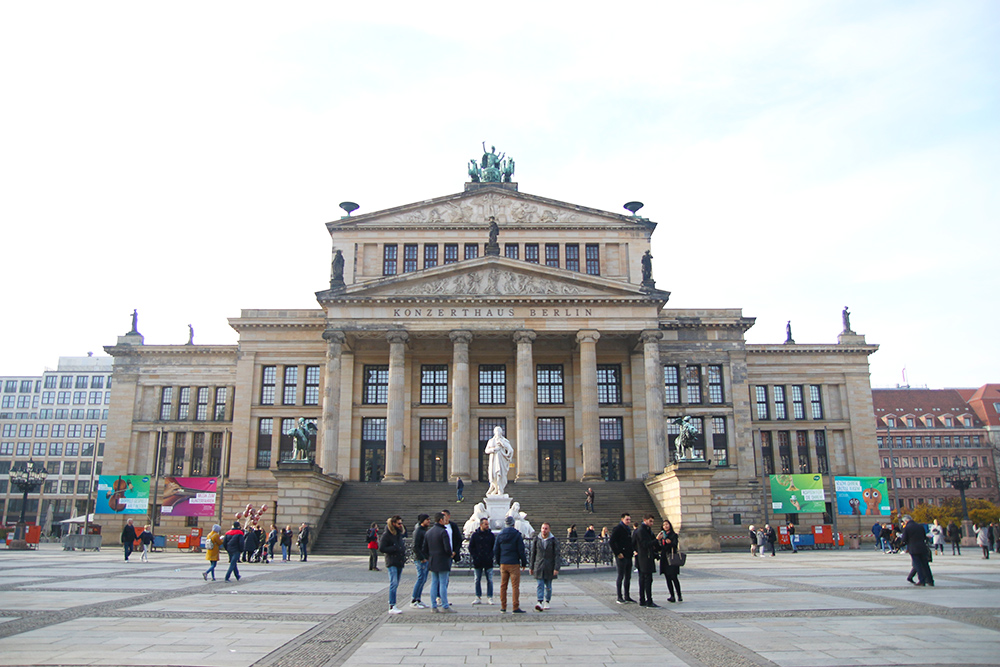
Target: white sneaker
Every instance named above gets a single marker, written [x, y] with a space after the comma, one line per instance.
[418, 605]
[490, 600]
[477, 601]
[393, 610]
[545, 606]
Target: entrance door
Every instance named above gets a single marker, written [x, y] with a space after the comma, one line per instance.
[612, 449]
[434, 450]
[551, 449]
[372, 449]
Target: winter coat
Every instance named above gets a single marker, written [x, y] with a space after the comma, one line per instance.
[646, 548]
[286, 538]
[481, 548]
[982, 539]
[438, 549]
[394, 549]
[954, 533]
[667, 549]
[146, 537]
[212, 544]
[420, 543]
[621, 541]
[128, 534]
[544, 557]
[590, 535]
[509, 548]
[233, 543]
[915, 538]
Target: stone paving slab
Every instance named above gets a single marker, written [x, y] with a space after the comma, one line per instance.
[53, 600]
[766, 601]
[942, 595]
[243, 602]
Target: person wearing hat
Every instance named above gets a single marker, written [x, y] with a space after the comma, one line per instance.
[420, 557]
[508, 551]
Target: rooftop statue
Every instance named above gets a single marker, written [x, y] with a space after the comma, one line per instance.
[492, 168]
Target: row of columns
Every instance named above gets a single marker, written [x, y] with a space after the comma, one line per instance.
[526, 438]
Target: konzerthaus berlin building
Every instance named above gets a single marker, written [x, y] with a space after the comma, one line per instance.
[438, 326]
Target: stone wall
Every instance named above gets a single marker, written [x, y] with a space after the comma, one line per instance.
[683, 494]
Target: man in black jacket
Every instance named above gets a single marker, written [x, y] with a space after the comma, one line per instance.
[621, 546]
[440, 555]
[128, 538]
[233, 543]
[420, 559]
[916, 545]
[481, 549]
[646, 550]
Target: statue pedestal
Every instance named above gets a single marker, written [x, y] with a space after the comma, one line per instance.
[683, 494]
[496, 508]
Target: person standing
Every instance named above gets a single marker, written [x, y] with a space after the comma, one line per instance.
[392, 546]
[272, 541]
[128, 538]
[146, 537]
[544, 564]
[249, 543]
[915, 538]
[509, 553]
[955, 537]
[670, 544]
[982, 539]
[304, 534]
[455, 534]
[372, 538]
[481, 549]
[212, 544]
[770, 536]
[791, 538]
[286, 543]
[753, 541]
[621, 546]
[420, 559]
[937, 537]
[588, 505]
[233, 543]
[646, 550]
[459, 490]
[877, 532]
[440, 556]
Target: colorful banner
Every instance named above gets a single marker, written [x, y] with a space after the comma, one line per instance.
[188, 496]
[862, 496]
[797, 494]
[122, 494]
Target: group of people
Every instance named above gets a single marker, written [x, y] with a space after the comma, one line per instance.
[130, 536]
[648, 550]
[889, 537]
[248, 544]
[762, 538]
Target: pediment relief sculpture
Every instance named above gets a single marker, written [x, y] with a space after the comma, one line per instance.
[492, 282]
[504, 207]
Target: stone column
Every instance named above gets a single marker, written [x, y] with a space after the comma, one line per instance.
[654, 400]
[329, 440]
[588, 405]
[459, 455]
[526, 444]
[395, 407]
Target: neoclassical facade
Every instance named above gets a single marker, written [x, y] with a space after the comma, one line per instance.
[492, 307]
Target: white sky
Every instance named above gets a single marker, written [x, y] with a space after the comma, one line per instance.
[181, 158]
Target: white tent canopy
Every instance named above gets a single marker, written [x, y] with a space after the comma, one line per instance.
[80, 519]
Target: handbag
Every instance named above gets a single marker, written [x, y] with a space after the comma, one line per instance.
[677, 558]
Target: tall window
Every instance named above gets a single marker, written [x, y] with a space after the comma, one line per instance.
[609, 384]
[798, 405]
[433, 384]
[389, 256]
[221, 393]
[376, 385]
[450, 253]
[692, 376]
[97, 382]
[66, 382]
[572, 256]
[179, 446]
[430, 255]
[511, 251]
[671, 385]
[166, 399]
[201, 411]
[822, 463]
[290, 386]
[492, 385]
[82, 381]
[802, 447]
[785, 452]
[286, 446]
[51, 380]
[715, 393]
[766, 453]
[531, 252]
[593, 259]
[760, 392]
[720, 441]
[409, 257]
[312, 385]
[184, 404]
[269, 377]
[264, 432]
[780, 406]
[549, 378]
[215, 455]
[552, 255]
[815, 403]
[471, 250]
[197, 454]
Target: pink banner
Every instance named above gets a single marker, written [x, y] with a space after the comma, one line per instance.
[188, 496]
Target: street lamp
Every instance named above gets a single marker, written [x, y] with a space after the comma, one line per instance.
[961, 477]
[26, 477]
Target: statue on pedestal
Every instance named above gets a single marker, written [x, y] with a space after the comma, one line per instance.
[303, 435]
[845, 315]
[686, 438]
[501, 453]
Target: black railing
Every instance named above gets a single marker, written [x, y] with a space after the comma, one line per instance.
[577, 553]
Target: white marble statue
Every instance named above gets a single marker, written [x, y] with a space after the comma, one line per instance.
[478, 513]
[520, 520]
[501, 453]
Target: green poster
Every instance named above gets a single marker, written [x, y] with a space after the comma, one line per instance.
[122, 494]
[796, 494]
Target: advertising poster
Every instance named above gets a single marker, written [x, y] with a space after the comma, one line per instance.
[862, 496]
[795, 494]
[188, 496]
[122, 494]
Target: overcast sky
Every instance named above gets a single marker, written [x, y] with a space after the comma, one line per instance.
[181, 158]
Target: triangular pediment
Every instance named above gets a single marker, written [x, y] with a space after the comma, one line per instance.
[474, 209]
[494, 278]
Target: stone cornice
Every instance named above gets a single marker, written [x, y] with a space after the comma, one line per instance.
[709, 322]
[797, 348]
[126, 351]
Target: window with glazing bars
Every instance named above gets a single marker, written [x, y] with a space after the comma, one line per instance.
[389, 257]
[269, 376]
[221, 393]
[572, 256]
[312, 385]
[780, 406]
[471, 250]
[179, 441]
[409, 257]
[816, 403]
[760, 392]
[511, 251]
[785, 452]
[184, 403]
[290, 386]
[767, 457]
[430, 255]
[715, 393]
[201, 409]
[671, 385]
[802, 447]
[822, 463]
[433, 384]
[166, 400]
[552, 255]
[720, 441]
[798, 405]
[549, 378]
[593, 259]
[215, 455]
[197, 454]
[531, 253]
[376, 385]
[492, 384]
[609, 384]
[450, 253]
[692, 377]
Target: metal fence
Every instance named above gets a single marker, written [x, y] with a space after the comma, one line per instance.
[580, 553]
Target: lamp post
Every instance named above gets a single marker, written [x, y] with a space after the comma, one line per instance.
[26, 477]
[961, 477]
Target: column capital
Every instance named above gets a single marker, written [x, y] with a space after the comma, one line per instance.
[397, 337]
[334, 337]
[651, 335]
[524, 336]
[460, 336]
[588, 336]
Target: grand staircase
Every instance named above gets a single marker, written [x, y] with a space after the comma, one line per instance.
[560, 504]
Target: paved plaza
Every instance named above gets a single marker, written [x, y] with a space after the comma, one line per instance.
[810, 608]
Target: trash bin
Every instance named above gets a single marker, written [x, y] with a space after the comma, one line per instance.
[854, 541]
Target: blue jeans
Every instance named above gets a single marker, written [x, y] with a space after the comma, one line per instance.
[234, 560]
[394, 573]
[544, 590]
[211, 568]
[128, 549]
[458, 494]
[439, 589]
[418, 587]
[284, 552]
[488, 571]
